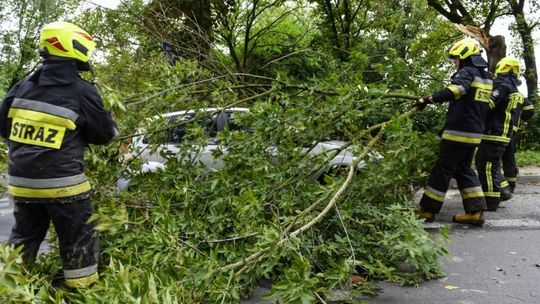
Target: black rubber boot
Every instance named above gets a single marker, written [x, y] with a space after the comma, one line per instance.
[492, 204]
[512, 186]
[506, 194]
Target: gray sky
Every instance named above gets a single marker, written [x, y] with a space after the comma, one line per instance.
[501, 28]
[105, 3]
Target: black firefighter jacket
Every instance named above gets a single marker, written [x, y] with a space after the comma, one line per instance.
[507, 98]
[524, 111]
[469, 95]
[48, 119]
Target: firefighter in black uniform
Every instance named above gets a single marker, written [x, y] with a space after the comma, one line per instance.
[469, 98]
[498, 130]
[48, 118]
[523, 112]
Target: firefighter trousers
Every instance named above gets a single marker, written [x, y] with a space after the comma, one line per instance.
[488, 165]
[509, 164]
[79, 242]
[454, 161]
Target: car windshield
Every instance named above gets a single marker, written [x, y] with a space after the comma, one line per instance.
[232, 122]
[211, 124]
[177, 134]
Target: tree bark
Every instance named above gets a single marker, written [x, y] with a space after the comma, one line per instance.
[194, 40]
[495, 46]
[456, 12]
[525, 32]
[332, 23]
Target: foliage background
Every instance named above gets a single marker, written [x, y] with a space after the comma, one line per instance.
[309, 71]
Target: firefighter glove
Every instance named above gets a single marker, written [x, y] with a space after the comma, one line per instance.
[423, 102]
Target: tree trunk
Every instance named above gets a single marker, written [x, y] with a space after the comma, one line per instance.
[191, 41]
[495, 51]
[525, 31]
[495, 46]
[328, 8]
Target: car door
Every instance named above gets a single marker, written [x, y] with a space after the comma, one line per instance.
[154, 140]
[211, 121]
[212, 124]
[176, 135]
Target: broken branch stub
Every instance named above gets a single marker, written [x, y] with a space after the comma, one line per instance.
[495, 46]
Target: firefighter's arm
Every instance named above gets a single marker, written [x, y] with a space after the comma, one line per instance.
[461, 82]
[98, 125]
[498, 95]
[438, 97]
[527, 111]
[442, 96]
[5, 122]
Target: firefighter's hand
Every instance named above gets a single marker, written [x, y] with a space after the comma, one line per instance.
[423, 102]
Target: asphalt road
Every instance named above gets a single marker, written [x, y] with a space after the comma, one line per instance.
[6, 218]
[498, 263]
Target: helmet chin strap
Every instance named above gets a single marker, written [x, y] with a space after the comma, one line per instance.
[83, 66]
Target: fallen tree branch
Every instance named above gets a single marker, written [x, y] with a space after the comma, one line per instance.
[236, 238]
[352, 169]
[208, 114]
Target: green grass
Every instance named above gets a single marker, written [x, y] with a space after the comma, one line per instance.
[528, 158]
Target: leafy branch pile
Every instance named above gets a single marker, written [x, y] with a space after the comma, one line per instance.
[184, 235]
[308, 71]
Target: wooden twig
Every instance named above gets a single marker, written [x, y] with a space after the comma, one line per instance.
[207, 114]
[236, 238]
[346, 232]
[227, 288]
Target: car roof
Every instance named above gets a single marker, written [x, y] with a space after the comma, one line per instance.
[206, 110]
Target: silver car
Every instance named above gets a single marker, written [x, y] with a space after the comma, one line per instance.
[213, 121]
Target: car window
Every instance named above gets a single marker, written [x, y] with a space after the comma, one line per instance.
[177, 134]
[232, 123]
[210, 125]
[154, 130]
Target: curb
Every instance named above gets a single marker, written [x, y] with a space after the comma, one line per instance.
[527, 175]
[522, 179]
[528, 179]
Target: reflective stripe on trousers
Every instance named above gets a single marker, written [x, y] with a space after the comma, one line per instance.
[80, 278]
[488, 165]
[454, 161]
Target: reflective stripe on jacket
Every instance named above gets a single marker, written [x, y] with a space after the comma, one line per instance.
[505, 96]
[469, 101]
[48, 119]
[523, 112]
